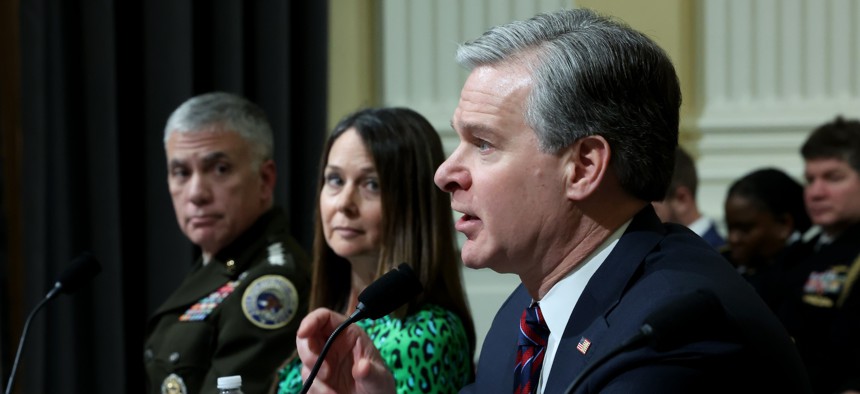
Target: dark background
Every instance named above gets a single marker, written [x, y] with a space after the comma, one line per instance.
[85, 90]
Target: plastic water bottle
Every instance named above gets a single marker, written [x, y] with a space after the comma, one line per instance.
[230, 385]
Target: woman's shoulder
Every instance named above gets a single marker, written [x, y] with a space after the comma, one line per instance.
[431, 312]
[434, 321]
[428, 320]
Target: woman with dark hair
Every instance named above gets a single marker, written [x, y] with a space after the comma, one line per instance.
[378, 207]
[765, 214]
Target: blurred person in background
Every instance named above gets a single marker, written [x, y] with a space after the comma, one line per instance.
[822, 308]
[765, 215]
[680, 205]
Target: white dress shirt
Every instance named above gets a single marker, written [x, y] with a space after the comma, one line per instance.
[559, 301]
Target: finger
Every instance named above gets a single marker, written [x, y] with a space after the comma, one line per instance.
[362, 369]
[318, 320]
[304, 349]
[320, 387]
[322, 372]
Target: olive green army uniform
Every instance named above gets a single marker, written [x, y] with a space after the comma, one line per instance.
[236, 315]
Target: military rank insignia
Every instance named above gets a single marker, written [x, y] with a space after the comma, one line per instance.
[822, 288]
[277, 256]
[270, 301]
[206, 305]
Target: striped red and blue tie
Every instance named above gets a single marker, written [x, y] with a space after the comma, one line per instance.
[530, 350]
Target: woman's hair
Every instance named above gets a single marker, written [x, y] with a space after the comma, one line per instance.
[417, 222]
[774, 191]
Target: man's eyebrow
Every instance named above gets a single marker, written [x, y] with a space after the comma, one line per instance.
[176, 163]
[208, 159]
[473, 127]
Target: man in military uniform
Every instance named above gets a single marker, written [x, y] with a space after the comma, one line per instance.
[823, 308]
[238, 310]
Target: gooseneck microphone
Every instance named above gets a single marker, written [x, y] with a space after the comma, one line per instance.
[81, 270]
[380, 298]
[681, 321]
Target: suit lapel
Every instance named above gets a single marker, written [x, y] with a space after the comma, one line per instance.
[601, 294]
[499, 351]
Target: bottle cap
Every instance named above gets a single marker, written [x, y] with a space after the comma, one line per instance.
[230, 382]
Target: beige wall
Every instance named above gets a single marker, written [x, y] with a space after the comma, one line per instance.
[352, 57]
[670, 23]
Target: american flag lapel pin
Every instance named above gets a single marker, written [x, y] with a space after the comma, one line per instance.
[583, 345]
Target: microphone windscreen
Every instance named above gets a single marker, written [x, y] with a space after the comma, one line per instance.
[685, 320]
[82, 269]
[389, 292]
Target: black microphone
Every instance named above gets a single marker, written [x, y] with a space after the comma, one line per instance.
[383, 296]
[388, 293]
[81, 270]
[681, 321]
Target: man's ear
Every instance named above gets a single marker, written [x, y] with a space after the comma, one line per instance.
[268, 176]
[587, 163]
[684, 195]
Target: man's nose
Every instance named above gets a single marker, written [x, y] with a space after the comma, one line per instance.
[199, 190]
[452, 175]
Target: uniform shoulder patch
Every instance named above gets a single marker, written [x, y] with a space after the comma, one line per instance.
[280, 257]
[270, 301]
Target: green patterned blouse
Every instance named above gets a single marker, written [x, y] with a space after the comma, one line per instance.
[427, 352]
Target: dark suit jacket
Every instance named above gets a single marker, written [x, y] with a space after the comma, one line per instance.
[651, 265]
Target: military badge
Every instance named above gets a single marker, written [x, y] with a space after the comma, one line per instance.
[270, 301]
[173, 384]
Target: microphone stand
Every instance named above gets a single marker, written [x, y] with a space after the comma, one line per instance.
[356, 316]
[32, 314]
[380, 298]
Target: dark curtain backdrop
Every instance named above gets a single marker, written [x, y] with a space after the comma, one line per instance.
[98, 81]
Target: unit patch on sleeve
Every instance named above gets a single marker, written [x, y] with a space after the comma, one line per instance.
[270, 301]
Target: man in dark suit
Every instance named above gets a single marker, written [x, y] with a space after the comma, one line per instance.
[568, 125]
